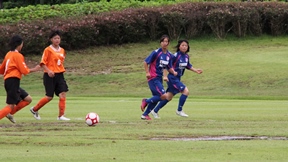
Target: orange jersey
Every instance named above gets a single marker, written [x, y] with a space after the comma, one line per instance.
[13, 65]
[53, 59]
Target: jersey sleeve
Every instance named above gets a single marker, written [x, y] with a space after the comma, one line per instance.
[22, 65]
[189, 65]
[151, 57]
[2, 67]
[170, 64]
[44, 58]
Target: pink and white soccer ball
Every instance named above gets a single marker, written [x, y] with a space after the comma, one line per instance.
[92, 119]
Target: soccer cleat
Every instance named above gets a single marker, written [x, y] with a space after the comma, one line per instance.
[155, 115]
[147, 117]
[63, 118]
[35, 114]
[11, 118]
[143, 104]
[181, 113]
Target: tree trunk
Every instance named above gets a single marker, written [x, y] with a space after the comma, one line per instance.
[1, 4]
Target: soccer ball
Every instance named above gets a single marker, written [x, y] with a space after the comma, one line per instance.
[92, 119]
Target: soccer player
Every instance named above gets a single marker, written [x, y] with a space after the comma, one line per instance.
[180, 62]
[13, 67]
[158, 60]
[53, 79]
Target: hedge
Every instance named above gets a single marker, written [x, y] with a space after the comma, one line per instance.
[189, 20]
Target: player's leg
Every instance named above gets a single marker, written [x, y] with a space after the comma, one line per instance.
[182, 101]
[155, 87]
[60, 91]
[25, 99]
[158, 92]
[161, 104]
[49, 88]
[11, 86]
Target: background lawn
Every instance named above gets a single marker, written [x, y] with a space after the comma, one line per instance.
[242, 93]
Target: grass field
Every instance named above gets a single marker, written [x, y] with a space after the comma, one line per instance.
[242, 94]
[122, 136]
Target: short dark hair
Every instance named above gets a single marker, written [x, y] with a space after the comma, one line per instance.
[15, 41]
[163, 37]
[179, 43]
[54, 33]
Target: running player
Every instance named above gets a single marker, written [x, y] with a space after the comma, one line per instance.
[180, 62]
[53, 79]
[13, 67]
[158, 60]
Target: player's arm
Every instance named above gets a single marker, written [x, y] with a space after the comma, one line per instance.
[49, 72]
[44, 61]
[190, 67]
[147, 61]
[145, 64]
[36, 68]
[165, 74]
[172, 71]
[198, 71]
[2, 68]
[21, 64]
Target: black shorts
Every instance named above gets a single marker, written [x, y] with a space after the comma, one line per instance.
[56, 85]
[23, 93]
[12, 86]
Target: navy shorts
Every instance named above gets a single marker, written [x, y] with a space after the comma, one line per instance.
[56, 85]
[175, 85]
[156, 87]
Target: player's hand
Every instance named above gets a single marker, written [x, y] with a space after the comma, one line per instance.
[37, 67]
[199, 71]
[148, 75]
[165, 78]
[175, 73]
[51, 74]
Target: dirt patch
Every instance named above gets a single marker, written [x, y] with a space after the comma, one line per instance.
[221, 138]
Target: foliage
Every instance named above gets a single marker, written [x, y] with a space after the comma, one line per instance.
[31, 12]
[139, 24]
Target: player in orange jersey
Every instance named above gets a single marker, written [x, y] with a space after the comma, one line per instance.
[13, 67]
[52, 61]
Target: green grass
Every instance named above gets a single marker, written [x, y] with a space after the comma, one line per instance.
[122, 136]
[110, 80]
[251, 68]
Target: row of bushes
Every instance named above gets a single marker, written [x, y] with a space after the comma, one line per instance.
[34, 12]
[188, 20]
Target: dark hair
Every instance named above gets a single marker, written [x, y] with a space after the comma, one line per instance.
[179, 43]
[54, 33]
[15, 41]
[163, 37]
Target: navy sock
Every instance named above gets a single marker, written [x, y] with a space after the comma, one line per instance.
[182, 100]
[153, 99]
[149, 108]
[160, 105]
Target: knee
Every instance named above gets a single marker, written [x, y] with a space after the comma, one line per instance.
[28, 99]
[186, 92]
[62, 95]
[49, 98]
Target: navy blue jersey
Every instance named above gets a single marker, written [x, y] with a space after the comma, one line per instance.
[158, 61]
[180, 62]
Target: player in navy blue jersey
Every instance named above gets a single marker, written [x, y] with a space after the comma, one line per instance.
[154, 65]
[180, 62]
